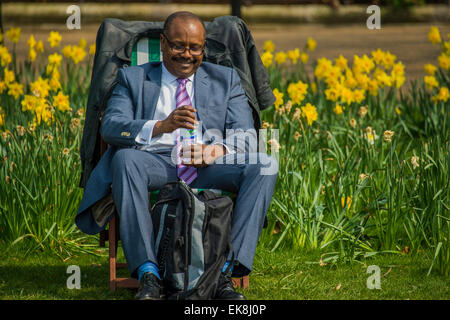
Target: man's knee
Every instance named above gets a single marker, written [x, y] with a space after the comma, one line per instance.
[123, 160]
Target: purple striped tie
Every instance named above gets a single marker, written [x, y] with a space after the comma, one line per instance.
[187, 174]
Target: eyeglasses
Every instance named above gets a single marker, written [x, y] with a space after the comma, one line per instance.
[194, 51]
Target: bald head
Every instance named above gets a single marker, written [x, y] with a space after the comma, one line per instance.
[185, 16]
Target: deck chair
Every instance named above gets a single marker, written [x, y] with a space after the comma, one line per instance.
[145, 50]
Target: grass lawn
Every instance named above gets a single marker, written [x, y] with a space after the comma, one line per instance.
[284, 274]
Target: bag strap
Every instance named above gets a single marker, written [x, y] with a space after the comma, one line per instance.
[169, 221]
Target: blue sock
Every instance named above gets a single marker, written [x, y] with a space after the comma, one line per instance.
[226, 266]
[148, 267]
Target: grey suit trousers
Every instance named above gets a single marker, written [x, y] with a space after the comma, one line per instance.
[135, 173]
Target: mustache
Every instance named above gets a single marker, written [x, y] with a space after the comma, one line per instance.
[183, 60]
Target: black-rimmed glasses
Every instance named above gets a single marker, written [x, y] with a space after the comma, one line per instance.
[194, 51]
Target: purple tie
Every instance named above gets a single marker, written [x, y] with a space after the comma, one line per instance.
[187, 174]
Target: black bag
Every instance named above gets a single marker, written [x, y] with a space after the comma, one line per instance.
[192, 240]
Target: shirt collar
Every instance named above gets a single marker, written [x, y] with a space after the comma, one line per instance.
[168, 78]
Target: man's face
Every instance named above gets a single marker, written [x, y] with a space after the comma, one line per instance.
[183, 34]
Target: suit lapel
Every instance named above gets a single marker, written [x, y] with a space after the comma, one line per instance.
[201, 86]
[151, 90]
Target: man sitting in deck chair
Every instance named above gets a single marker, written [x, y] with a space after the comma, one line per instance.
[148, 106]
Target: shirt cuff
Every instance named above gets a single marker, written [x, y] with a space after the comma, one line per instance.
[145, 135]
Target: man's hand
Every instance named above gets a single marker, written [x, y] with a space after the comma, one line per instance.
[182, 117]
[201, 155]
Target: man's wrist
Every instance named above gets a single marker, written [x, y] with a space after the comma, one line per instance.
[158, 128]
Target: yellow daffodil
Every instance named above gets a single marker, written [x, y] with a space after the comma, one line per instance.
[44, 112]
[347, 95]
[29, 103]
[2, 117]
[430, 82]
[54, 39]
[446, 47]
[92, 49]
[267, 59]
[294, 55]
[54, 59]
[434, 36]
[310, 113]
[341, 62]
[304, 57]
[13, 34]
[40, 87]
[279, 98]
[388, 60]
[5, 56]
[443, 95]
[362, 80]
[32, 54]
[8, 76]
[444, 61]
[383, 79]
[311, 44]
[362, 64]
[15, 90]
[398, 110]
[280, 57]
[39, 46]
[82, 43]
[78, 54]
[322, 68]
[338, 109]
[297, 91]
[54, 82]
[61, 102]
[269, 46]
[372, 86]
[358, 95]
[3, 86]
[31, 42]
[378, 56]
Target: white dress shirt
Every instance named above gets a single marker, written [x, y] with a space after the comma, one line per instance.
[166, 104]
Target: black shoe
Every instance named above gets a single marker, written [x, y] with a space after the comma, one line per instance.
[150, 287]
[225, 289]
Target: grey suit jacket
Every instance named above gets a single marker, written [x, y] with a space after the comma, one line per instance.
[222, 108]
